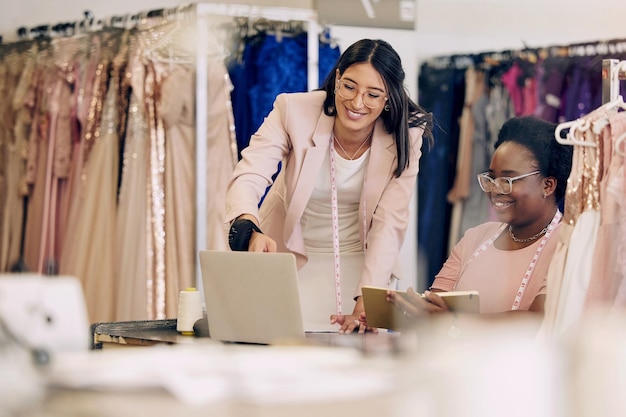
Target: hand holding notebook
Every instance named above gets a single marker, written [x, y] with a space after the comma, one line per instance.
[381, 313]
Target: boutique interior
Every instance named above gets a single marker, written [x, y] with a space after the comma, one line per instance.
[122, 124]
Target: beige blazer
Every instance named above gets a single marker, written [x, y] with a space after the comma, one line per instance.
[297, 133]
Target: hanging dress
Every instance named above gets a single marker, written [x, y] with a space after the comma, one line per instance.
[605, 276]
[221, 152]
[92, 237]
[577, 271]
[14, 118]
[36, 167]
[131, 223]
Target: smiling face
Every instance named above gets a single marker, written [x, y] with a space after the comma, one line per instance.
[353, 116]
[525, 206]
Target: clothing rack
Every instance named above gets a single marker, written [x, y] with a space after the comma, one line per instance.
[204, 15]
[90, 24]
[462, 61]
[594, 277]
[613, 71]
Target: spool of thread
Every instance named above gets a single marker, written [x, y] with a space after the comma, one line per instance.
[189, 310]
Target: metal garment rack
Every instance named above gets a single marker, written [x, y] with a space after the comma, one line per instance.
[204, 11]
[613, 71]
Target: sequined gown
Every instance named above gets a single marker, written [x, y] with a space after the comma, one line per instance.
[131, 222]
[91, 248]
[570, 270]
[17, 71]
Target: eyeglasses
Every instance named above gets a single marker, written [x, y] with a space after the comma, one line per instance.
[371, 99]
[501, 185]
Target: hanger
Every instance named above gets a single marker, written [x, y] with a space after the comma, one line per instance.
[570, 139]
[583, 124]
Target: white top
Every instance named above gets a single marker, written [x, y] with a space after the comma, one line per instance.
[316, 221]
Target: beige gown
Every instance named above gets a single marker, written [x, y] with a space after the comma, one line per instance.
[130, 225]
[91, 237]
[15, 72]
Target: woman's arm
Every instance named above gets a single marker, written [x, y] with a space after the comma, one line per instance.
[259, 162]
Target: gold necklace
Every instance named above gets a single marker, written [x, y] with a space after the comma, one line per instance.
[358, 149]
[528, 239]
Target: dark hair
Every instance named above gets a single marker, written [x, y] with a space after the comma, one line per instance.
[403, 113]
[536, 135]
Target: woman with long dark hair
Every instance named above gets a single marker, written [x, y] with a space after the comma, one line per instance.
[349, 156]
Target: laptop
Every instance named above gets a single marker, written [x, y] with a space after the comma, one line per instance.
[44, 312]
[251, 297]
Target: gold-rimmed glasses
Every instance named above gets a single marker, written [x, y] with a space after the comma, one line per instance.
[372, 99]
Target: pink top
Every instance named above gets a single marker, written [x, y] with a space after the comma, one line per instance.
[496, 274]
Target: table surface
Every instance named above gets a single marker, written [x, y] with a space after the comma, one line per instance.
[59, 401]
[151, 332]
[341, 375]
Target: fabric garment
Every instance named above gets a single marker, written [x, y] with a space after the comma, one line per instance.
[511, 80]
[477, 207]
[580, 98]
[38, 148]
[131, 228]
[221, 152]
[243, 75]
[156, 220]
[317, 295]
[550, 88]
[555, 279]
[556, 273]
[317, 216]
[90, 249]
[270, 65]
[499, 110]
[466, 171]
[606, 275]
[15, 117]
[300, 137]
[617, 188]
[177, 111]
[62, 86]
[578, 266]
[441, 93]
[496, 274]
[317, 287]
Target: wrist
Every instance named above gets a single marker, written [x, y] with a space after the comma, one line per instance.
[240, 233]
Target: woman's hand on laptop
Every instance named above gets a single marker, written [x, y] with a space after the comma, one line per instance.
[256, 240]
[261, 243]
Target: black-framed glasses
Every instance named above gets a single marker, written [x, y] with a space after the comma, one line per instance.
[371, 99]
[500, 185]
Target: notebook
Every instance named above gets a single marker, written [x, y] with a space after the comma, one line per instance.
[251, 297]
[44, 312]
[381, 313]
